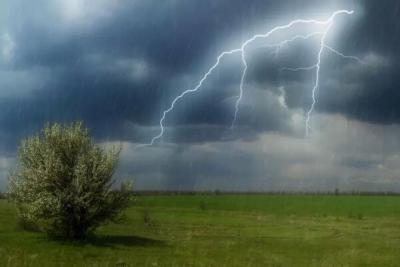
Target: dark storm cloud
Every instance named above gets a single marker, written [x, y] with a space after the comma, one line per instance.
[118, 64]
[92, 64]
[370, 95]
[125, 66]
[365, 91]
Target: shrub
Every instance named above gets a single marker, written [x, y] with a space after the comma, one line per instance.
[147, 219]
[63, 182]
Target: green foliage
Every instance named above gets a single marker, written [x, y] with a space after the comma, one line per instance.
[63, 182]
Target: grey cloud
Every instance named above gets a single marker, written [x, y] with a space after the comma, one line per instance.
[118, 65]
[275, 162]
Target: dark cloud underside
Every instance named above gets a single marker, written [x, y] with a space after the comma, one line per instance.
[118, 65]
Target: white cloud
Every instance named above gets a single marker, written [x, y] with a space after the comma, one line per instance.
[7, 47]
[78, 12]
[136, 69]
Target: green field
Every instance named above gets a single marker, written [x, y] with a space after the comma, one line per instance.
[226, 230]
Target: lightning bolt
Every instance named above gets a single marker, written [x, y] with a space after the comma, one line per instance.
[317, 67]
[299, 68]
[242, 50]
[279, 45]
[344, 56]
[316, 85]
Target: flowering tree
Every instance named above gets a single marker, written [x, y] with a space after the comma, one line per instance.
[63, 182]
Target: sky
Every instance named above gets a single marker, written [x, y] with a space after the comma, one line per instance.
[117, 65]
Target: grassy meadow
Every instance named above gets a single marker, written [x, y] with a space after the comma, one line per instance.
[224, 230]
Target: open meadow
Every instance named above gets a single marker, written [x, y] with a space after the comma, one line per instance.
[224, 230]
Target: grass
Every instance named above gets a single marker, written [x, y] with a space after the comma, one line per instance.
[226, 230]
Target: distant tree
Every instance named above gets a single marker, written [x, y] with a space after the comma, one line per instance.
[63, 182]
[336, 192]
